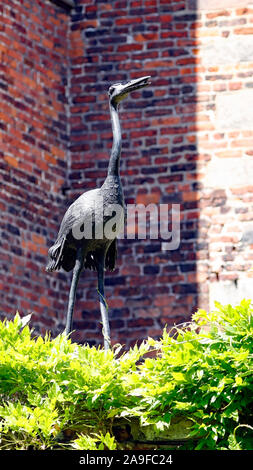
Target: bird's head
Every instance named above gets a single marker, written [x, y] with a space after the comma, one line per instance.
[119, 91]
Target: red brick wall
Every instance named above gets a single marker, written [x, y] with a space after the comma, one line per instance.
[110, 42]
[33, 156]
[187, 139]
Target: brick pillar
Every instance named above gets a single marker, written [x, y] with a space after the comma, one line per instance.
[225, 87]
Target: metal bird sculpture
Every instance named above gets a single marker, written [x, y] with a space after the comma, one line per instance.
[88, 216]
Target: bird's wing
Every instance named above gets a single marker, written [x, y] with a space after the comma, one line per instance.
[78, 212]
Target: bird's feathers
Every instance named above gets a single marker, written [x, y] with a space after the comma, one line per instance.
[63, 253]
[55, 254]
[78, 212]
[111, 256]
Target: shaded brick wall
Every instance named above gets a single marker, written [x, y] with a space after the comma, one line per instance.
[187, 139]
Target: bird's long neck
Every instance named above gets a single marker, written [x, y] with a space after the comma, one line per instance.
[113, 168]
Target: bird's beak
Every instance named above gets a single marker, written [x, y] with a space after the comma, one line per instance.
[136, 84]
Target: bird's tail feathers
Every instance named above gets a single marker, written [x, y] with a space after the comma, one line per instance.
[54, 255]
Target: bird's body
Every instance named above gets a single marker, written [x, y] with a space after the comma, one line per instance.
[87, 237]
[86, 211]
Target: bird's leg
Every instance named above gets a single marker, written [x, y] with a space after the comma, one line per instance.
[72, 294]
[103, 305]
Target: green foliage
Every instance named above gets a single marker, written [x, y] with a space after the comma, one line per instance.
[98, 442]
[204, 373]
[58, 394]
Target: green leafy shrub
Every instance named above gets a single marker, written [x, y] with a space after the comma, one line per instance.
[58, 394]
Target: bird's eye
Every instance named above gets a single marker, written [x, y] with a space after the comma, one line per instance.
[111, 90]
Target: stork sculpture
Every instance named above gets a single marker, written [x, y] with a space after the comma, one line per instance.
[73, 250]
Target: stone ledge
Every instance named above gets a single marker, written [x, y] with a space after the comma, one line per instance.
[132, 435]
